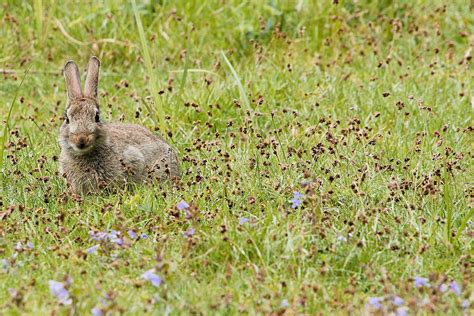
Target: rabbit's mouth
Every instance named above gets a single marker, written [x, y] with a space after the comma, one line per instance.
[81, 143]
[81, 150]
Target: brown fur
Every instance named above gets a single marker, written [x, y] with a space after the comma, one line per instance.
[96, 155]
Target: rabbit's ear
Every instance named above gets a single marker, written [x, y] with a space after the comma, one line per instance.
[73, 80]
[92, 78]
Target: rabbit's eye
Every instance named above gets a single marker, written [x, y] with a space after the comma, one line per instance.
[97, 118]
[66, 119]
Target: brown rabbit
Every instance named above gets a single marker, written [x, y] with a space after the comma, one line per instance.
[95, 154]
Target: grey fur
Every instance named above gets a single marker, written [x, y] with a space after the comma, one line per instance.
[92, 78]
[96, 155]
[73, 80]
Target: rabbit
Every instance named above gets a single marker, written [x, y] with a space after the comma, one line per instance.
[96, 155]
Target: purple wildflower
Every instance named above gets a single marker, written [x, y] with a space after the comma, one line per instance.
[59, 291]
[375, 302]
[402, 311]
[30, 245]
[243, 220]
[114, 238]
[297, 195]
[443, 288]
[68, 280]
[98, 236]
[96, 312]
[182, 205]
[151, 276]
[341, 238]
[398, 301]
[13, 292]
[18, 246]
[188, 214]
[118, 241]
[132, 234]
[465, 304]
[143, 236]
[102, 236]
[421, 282]
[296, 200]
[105, 299]
[284, 303]
[190, 232]
[4, 264]
[454, 287]
[92, 249]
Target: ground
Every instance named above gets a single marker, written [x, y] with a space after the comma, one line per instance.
[326, 151]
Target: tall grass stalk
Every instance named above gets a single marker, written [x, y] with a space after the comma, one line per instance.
[38, 7]
[448, 207]
[463, 225]
[243, 94]
[186, 64]
[159, 111]
[6, 128]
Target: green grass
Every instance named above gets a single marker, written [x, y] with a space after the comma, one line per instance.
[364, 107]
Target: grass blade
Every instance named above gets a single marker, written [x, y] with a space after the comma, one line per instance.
[189, 70]
[186, 65]
[243, 94]
[6, 128]
[448, 204]
[463, 224]
[38, 7]
[150, 71]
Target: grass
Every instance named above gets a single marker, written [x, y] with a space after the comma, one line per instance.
[6, 126]
[243, 94]
[363, 107]
[149, 67]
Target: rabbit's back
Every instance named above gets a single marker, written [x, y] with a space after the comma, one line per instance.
[137, 144]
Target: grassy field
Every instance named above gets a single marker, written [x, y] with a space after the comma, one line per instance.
[326, 151]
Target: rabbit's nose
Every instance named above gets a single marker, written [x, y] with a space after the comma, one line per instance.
[81, 143]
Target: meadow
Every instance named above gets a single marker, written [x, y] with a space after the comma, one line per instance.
[326, 154]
